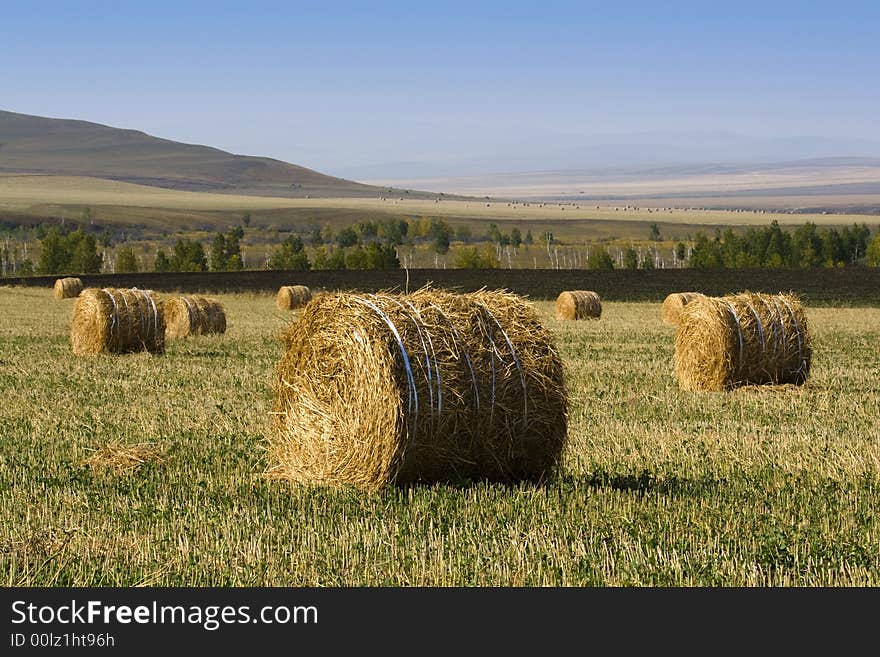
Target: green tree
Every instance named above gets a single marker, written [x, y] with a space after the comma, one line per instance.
[226, 250]
[246, 219]
[630, 258]
[529, 239]
[234, 261]
[325, 258]
[290, 255]
[439, 233]
[126, 261]
[162, 263]
[393, 231]
[681, 251]
[469, 257]
[346, 237]
[54, 256]
[440, 243]
[706, 253]
[84, 257]
[188, 255]
[218, 253]
[381, 256]
[515, 237]
[356, 258]
[599, 258]
[366, 230]
[655, 233]
[26, 268]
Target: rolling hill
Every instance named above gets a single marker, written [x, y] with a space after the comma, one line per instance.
[34, 144]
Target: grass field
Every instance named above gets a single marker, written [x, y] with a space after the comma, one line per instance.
[148, 470]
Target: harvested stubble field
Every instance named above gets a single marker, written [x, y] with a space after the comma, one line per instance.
[148, 470]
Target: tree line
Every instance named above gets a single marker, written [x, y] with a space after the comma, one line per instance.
[771, 247]
[373, 245]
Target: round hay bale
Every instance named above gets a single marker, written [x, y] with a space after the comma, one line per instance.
[432, 386]
[186, 316]
[291, 297]
[673, 305]
[117, 321]
[747, 338]
[578, 304]
[67, 288]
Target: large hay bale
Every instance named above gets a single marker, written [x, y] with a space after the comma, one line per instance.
[291, 297]
[430, 386]
[117, 321]
[67, 288]
[747, 338]
[674, 304]
[578, 304]
[186, 316]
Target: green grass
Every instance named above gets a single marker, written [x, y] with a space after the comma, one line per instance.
[660, 487]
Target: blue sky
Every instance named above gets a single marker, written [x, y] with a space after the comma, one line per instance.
[336, 85]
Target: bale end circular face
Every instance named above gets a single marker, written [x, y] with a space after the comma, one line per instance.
[674, 303]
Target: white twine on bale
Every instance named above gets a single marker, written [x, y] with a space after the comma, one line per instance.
[149, 298]
[516, 362]
[189, 310]
[114, 320]
[416, 323]
[775, 322]
[464, 352]
[436, 364]
[413, 393]
[739, 332]
[760, 327]
[781, 323]
[797, 328]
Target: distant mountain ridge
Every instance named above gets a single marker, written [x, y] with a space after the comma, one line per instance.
[35, 144]
[643, 150]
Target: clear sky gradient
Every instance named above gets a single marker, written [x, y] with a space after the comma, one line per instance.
[333, 85]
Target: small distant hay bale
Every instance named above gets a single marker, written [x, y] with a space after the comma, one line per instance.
[67, 288]
[741, 339]
[291, 297]
[186, 316]
[578, 304]
[117, 321]
[673, 305]
[383, 389]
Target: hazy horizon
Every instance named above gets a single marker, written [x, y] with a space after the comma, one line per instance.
[485, 87]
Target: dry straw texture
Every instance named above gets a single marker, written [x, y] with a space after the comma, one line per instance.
[186, 316]
[578, 304]
[117, 321]
[291, 297]
[747, 338]
[430, 386]
[674, 304]
[67, 288]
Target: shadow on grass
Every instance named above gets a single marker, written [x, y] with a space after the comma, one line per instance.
[645, 482]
